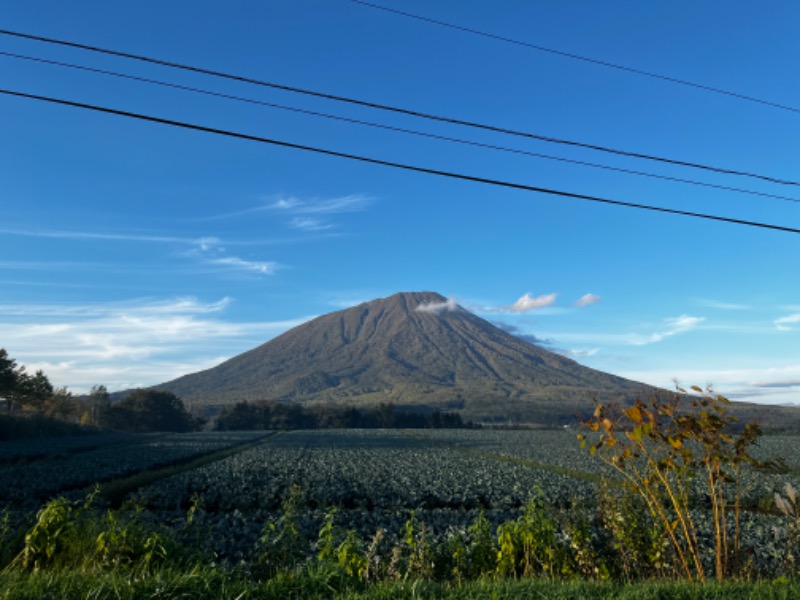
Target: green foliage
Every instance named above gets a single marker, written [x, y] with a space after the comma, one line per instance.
[52, 538]
[149, 410]
[416, 551]
[550, 539]
[789, 507]
[22, 426]
[21, 389]
[474, 555]
[205, 582]
[633, 544]
[281, 545]
[263, 415]
[326, 541]
[71, 535]
[350, 557]
[530, 546]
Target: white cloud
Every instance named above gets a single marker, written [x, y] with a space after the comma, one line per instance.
[116, 309]
[788, 323]
[768, 385]
[527, 302]
[577, 353]
[675, 326]
[587, 300]
[790, 383]
[140, 342]
[310, 224]
[341, 204]
[208, 249]
[672, 326]
[309, 213]
[119, 237]
[234, 262]
[283, 204]
[448, 305]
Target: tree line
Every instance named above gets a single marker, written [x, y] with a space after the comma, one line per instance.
[33, 396]
[145, 410]
[22, 391]
[262, 415]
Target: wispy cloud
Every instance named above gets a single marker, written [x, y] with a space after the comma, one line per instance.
[671, 327]
[674, 325]
[310, 213]
[314, 214]
[324, 206]
[236, 263]
[144, 306]
[527, 302]
[436, 308]
[207, 249]
[772, 385]
[791, 383]
[583, 353]
[310, 224]
[124, 344]
[518, 332]
[721, 305]
[788, 323]
[587, 300]
[90, 235]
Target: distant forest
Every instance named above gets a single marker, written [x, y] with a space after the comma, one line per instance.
[274, 415]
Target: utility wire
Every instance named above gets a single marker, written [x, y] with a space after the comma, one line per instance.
[407, 167]
[396, 109]
[574, 56]
[392, 128]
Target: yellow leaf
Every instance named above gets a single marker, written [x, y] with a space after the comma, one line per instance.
[634, 414]
[636, 434]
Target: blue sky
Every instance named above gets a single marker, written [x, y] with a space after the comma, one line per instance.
[131, 252]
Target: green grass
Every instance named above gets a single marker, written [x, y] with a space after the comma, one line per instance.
[213, 583]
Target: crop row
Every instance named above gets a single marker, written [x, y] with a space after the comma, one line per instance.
[359, 469]
[373, 478]
[29, 449]
[28, 484]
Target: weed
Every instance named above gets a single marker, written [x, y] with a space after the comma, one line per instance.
[660, 448]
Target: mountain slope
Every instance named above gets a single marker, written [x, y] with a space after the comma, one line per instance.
[410, 349]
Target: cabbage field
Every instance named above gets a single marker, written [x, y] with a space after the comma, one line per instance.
[366, 481]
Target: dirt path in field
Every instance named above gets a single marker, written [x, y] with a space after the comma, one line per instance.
[116, 490]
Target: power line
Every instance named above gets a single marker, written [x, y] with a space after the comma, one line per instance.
[396, 109]
[580, 57]
[393, 128]
[407, 167]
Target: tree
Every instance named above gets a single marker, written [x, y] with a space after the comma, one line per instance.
[34, 390]
[9, 377]
[62, 405]
[150, 410]
[99, 403]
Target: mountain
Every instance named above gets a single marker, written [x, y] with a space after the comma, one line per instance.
[412, 349]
